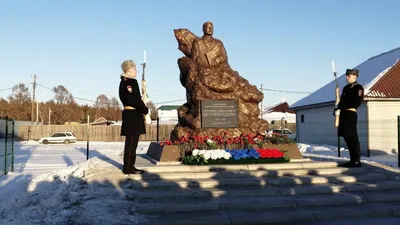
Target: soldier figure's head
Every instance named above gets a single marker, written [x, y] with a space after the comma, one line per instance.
[208, 28]
[351, 75]
[129, 68]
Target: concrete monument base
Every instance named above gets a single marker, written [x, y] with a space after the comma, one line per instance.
[171, 153]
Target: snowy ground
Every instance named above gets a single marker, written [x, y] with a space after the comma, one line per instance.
[330, 152]
[32, 159]
[47, 186]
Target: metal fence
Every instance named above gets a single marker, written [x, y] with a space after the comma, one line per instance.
[154, 131]
[30, 156]
[34, 158]
[379, 138]
[7, 128]
[398, 141]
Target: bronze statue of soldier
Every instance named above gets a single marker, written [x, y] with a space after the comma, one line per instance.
[207, 50]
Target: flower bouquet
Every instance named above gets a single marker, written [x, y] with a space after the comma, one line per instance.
[234, 156]
[244, 149]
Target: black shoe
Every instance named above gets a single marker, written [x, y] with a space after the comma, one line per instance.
[347, 164]
[126, 172]
[351, 164]
[137, 171]
[355, 164]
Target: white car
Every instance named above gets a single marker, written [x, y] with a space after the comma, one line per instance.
[285, 131]
[59, 137]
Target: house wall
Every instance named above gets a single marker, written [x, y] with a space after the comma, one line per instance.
[318, 126]
[16, 126]
[168, 115]
[382, 116]
[277, 116]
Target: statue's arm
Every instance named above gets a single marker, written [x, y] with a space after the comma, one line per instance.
[222, 56]
[195, 50]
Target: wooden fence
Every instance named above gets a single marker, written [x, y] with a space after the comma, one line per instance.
[96, 133]
[100, 133]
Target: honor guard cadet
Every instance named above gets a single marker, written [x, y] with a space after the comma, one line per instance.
[132, 115]
[351, 98]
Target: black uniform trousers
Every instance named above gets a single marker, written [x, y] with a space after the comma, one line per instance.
[354, 148]
[348, 130]
[131, 143]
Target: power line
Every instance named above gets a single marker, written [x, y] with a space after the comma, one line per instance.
[5, 89]
[176, 93]
[170, 101]
[72, 95]
[33, 97]
[97, 94]
[83, 99]
[294, 92]
[78, 98]
[50, 89]
[44, 87]
[264, 89]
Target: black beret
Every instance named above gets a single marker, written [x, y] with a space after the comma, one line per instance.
[352, 71]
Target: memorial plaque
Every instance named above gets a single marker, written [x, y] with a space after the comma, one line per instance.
[219, 114]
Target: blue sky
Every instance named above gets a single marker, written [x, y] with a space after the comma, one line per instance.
[282, 44]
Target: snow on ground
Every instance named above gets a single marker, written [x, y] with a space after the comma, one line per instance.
[325, 152]
[47, 186]
[34, 158]
[63, 197]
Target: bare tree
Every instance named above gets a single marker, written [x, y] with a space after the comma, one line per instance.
[114, 103]
[102, 106]
[102, 101]
[153, 110]
[20, 94]
[43, 112]
[19, 103]
[63, 107]
[115, 108]
[4, 107]
[62, 95]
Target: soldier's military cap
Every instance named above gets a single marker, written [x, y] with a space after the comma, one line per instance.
[352, 72]
[127, 64]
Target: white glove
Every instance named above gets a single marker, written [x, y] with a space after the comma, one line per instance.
[337, 112]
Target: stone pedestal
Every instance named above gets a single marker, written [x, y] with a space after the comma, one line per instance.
[171, 153]
[166, 153]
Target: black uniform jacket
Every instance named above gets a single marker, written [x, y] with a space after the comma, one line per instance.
[351, 98]
[132, 119]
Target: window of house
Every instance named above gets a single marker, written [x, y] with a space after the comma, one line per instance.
[302, 118]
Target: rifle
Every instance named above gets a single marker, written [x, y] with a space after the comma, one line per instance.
[337, 117]
[147, 117]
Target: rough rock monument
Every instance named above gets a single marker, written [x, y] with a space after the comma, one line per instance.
[206, 75]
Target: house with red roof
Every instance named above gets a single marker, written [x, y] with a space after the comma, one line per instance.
[279, 112]
[377, 116]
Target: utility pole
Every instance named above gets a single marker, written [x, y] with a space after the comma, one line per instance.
[49, 115]
[261, 111]
[37, 112]
[33, 98]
